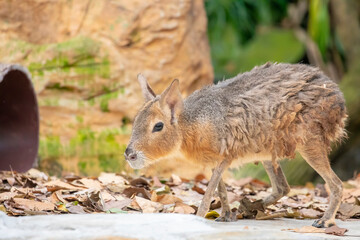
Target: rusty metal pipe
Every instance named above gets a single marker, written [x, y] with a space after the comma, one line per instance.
[19, 119]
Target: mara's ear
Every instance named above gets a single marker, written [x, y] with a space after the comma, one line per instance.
[171, 99]
[145, 88]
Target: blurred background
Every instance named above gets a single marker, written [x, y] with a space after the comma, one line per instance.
[84, 57]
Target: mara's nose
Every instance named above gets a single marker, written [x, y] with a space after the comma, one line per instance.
[129, 154]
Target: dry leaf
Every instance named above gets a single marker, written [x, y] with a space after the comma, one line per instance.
[113, 182]
[308, 229]
[260, 215]
[77, 209]
[61, 207]
[165, 198]
[258, 183]
[249, 209]
[55, 185]
[298, 191]
[320, 206]
[175, 195]
[348, 210]
[156, 182]
[36, 174]
[134, 205]
[183, 208]
[335, 230]
[263, 216]
[188, 196]
[27, 204]
[165, 189]
[310, 213]
[2, 208]
[148, 206]
[215, 204]
[198, 189]
[111, 178]
[12, 210]
[289, 202]
[10, 180]
[7, 195]
[91, 183]
[117, 204]
[140, 182]
[140, 192]
[175, 180]
[107, 196]
[212, 215]
[96, 201]
[201, 178]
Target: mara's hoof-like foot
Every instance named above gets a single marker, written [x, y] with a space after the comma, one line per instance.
[321, 223]
[227, 217]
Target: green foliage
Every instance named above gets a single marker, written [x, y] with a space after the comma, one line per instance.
[104, 99]
[245, 33]
[50, 146]
[242, 17]
[297, 171]
[111, 163]
[275, 45]
[319, 24]
[78, 56]
[96, 151]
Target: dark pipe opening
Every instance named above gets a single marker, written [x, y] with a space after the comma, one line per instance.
[19, 121]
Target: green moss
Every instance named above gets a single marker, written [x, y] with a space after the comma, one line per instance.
[49, 102]
[78, 56]
[105, 98]
[50, 147]
[79, 119]
[110, 163]
[96, 151]
[104, 105]
[82, 167]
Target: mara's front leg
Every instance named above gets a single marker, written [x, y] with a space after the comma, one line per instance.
[214, 182]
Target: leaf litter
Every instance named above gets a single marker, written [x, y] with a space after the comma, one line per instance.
[35, 193]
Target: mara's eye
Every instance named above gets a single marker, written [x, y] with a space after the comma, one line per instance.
[158, 127]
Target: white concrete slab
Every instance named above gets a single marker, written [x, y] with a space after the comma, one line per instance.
[156, 226]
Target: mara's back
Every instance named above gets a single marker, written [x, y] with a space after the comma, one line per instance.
[272, 109]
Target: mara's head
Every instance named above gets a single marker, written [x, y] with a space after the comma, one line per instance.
[156, 132]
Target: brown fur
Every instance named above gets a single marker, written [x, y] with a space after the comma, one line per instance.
[266, 114]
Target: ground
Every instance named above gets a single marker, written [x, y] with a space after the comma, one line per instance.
[34, 205]
[158, 226]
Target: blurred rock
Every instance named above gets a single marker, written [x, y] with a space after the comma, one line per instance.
[84, 57]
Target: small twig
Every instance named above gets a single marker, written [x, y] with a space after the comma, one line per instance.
[102, 93]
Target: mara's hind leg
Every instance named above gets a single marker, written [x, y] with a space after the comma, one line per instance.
[315, 153]
[225, 208]
[280, 186]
